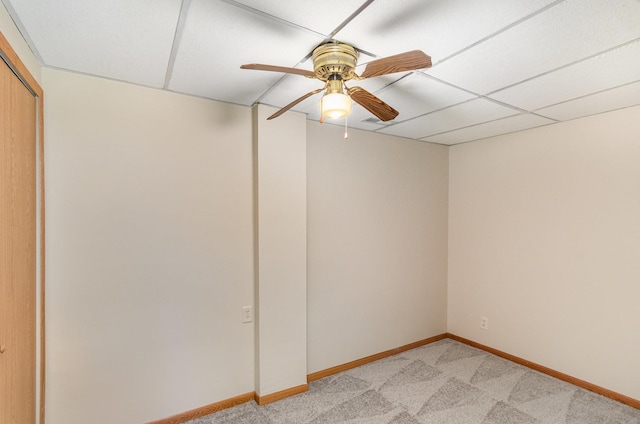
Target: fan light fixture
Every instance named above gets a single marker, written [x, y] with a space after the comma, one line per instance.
[335, 103]
[334, 63]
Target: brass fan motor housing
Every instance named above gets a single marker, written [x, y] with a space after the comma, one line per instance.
[334, 59]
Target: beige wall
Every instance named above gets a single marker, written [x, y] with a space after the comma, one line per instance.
[377, 231]
[280, 162]
[544, 240]
[149, 251]
[150, 248]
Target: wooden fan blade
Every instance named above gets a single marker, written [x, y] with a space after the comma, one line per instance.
[261, 67]
[383, 111]
[295, 102]
[408, 61]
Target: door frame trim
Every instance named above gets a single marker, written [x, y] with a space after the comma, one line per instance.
[9, 56]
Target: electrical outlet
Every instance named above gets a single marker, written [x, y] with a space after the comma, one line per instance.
[484, 323]
[247, 314]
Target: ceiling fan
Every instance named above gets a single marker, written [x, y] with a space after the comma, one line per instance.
[334, 64]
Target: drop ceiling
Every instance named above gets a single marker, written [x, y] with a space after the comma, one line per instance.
[499, 65]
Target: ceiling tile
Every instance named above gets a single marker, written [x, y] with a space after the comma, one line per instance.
[120, 39]
[322, 18]
[570, 31]
[419, 94]
[490, 129]
[617, 98]
[438, 27]
[375, 84]
[363, 119]
[492, 58]
[216, 41]
[611, 69]
[463, 115]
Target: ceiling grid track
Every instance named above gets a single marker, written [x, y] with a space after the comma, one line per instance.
[483, 123]
[521, 110]
[23, 31]
[513, 24]
[177, 38]
[575, 62]
[501, 30]
[351, 17]
[268, 16]
[429, 113]
[586, 95]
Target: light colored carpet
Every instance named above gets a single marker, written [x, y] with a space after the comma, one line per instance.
[443, 382]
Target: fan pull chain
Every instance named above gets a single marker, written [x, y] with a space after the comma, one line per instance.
[346, 133]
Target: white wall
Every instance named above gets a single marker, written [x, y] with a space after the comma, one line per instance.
[149, 251]
[377, 251]
[544, 240]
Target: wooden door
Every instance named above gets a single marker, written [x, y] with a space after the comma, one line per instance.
[17, 250]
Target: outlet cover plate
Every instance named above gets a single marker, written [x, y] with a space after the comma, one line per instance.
[484, 323]
[247, 314]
